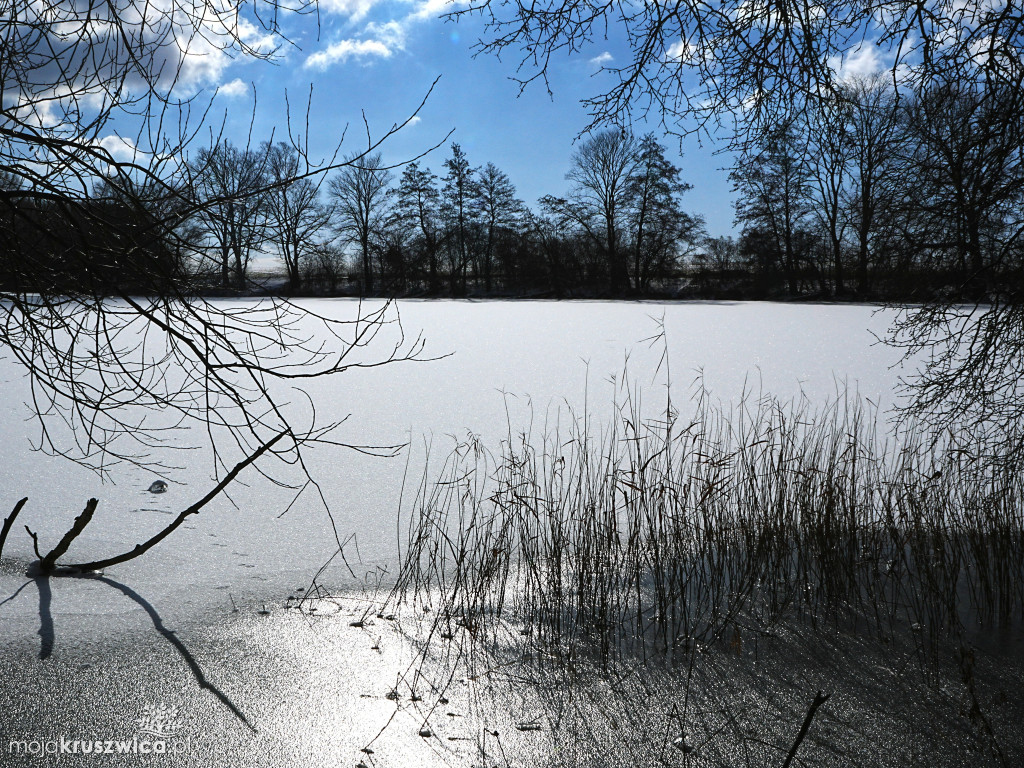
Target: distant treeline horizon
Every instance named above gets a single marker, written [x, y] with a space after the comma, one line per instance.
[874, 195]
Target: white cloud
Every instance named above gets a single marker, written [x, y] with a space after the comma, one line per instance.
[234, 89]
[414, 120]
[858, 63]
[343, 50]
[391, 33]
[680, 52]
[201, 63]
[203, 58]
[39, 111]
[356, 10]
[256, 38]
[381, 42]
[121, 149]
[602, 59]
[431, 9]
[754, 13]
[996, 53]
[380, 39]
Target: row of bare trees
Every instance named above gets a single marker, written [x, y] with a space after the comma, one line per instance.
[380, 229]
[619, 228]
[877, 191]
[887, 192]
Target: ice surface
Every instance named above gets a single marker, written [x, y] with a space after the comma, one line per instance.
[499, 363]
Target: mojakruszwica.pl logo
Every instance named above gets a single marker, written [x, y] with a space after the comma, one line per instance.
[158, 733]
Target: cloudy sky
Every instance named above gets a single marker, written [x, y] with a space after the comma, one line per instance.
[380, 57]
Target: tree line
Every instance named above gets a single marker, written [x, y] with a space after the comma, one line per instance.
[372, 228]
[872, 193]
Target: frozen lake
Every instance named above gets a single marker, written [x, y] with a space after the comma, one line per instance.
[203, 624]
[501, 364]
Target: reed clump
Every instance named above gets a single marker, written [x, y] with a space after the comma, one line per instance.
[651, 535]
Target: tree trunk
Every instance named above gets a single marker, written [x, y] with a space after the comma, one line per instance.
[617, 269]
[367, 266]
[837, 265]
[225, 267]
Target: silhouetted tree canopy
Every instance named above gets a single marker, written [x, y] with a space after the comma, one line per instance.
[694, 64]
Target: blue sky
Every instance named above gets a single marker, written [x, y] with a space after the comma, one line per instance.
[381, 57]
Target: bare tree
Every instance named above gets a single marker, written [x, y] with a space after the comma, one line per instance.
[772, 180]
[829, 150]
[499, 210]
[360, 192]
[969, 185]
[968, 175]
[721, 253]
[416, 203]
[296, 217]
[457, 194]
[231, 184]
[325, 264]
[875, 135]
[601, 172]
[659, 226]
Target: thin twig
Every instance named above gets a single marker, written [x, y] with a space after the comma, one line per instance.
[820, 699]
